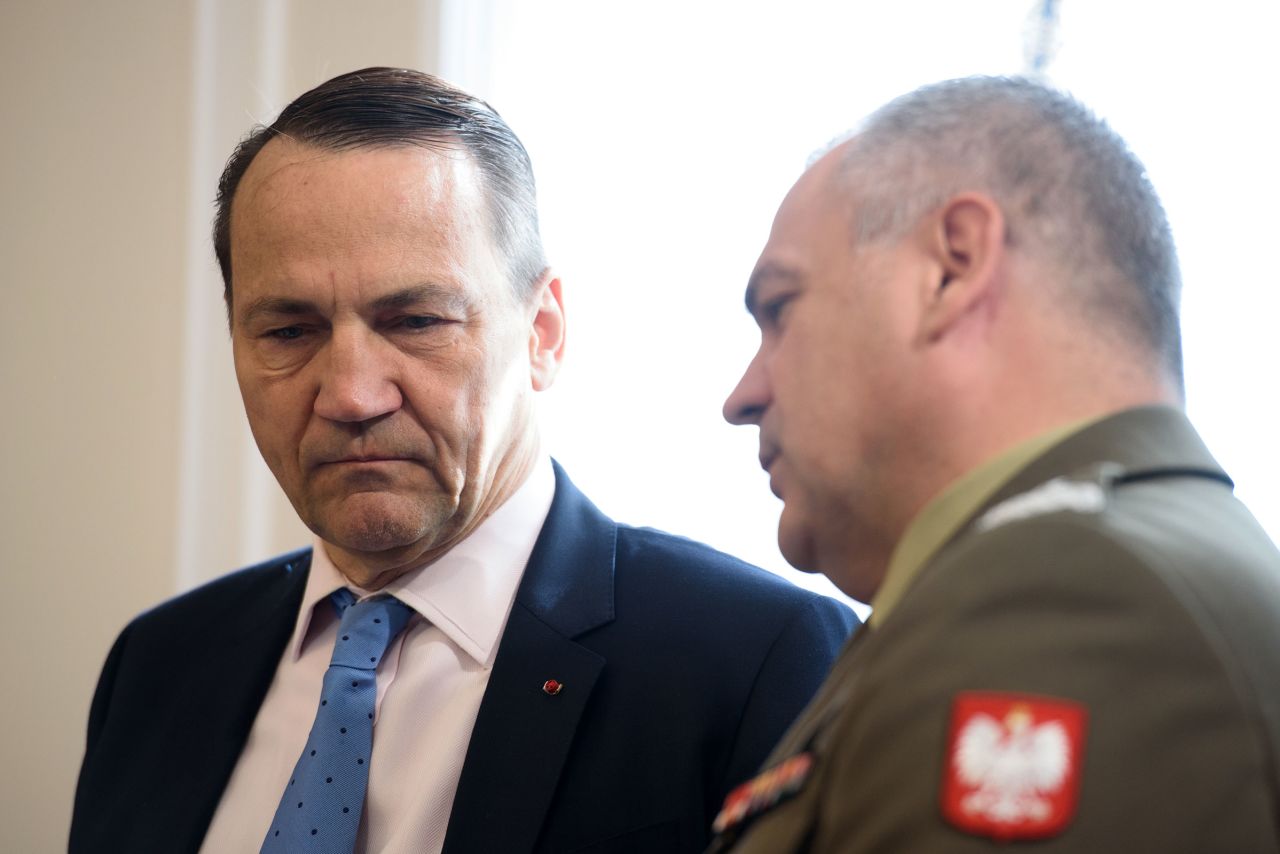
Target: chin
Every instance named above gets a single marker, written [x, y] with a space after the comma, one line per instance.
[377, 539]
[379, 522]
[796, 545]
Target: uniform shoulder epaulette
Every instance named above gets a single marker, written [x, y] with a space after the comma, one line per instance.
[1085, 492]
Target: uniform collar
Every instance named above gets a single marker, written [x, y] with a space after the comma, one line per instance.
[946, 513]
[1138, 443]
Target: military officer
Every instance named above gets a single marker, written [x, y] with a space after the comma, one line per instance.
[969, 397]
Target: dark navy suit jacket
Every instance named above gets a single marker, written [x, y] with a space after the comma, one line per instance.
[681, 667]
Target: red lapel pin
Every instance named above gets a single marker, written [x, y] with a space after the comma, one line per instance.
[551, 687]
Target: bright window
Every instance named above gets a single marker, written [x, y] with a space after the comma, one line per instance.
[665, 134]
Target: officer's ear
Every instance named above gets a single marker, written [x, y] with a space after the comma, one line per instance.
[965, 242]
[546, 331]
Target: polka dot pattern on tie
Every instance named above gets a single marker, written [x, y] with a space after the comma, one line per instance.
[321, 807]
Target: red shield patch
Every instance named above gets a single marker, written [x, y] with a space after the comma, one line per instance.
[1012, 769]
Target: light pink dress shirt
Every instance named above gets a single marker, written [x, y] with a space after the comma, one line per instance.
[430, 684]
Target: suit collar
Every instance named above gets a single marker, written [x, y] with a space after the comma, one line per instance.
[282, 594]
[523, 733]
[569, 581]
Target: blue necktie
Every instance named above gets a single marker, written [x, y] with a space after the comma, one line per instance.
[320, 809]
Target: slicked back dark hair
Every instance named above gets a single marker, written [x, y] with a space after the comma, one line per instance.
[394, 107]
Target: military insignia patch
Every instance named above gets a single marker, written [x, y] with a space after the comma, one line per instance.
[763, 791]
[1012, 769]
[1053, 496]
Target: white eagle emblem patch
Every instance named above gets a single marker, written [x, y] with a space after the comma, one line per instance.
[1012, 765]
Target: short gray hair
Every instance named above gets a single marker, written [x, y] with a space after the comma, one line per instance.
[1068, 185]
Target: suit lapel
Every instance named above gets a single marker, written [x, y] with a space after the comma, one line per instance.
[523, 734]
[521, 739]
[225, 685]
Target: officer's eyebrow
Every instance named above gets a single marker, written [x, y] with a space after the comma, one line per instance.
[761, 274]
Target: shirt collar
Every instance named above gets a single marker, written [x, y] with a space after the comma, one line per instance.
[947, 512]
[467, 593]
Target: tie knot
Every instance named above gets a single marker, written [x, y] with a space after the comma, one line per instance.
[367, 629]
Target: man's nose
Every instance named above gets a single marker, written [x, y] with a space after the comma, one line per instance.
[359, 381]
[749, 399]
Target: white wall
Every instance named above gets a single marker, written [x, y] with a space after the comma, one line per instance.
[126, 470]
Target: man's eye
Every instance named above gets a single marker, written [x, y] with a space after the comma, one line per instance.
[419, 321]
[772, 311]
[286, 333]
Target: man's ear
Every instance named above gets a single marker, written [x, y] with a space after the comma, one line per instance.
[966, 241]
[546, 333]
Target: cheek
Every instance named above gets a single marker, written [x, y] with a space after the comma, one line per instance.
[278, 414]
[452, 399]
[498, 403]
[503, 371]
[809, 380]
[497, 394]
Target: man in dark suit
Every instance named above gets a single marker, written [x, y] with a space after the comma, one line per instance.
[498, 666]
[969, 394]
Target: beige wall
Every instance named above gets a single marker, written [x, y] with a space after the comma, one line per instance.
[126, 473]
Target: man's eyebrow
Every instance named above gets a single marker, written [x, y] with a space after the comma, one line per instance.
[279, 306]
[406, 298]
[416, 295]
[763, 272]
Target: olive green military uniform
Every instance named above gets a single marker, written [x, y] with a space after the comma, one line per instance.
[1107, 565]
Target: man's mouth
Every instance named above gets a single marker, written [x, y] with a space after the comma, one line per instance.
[364, 459]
